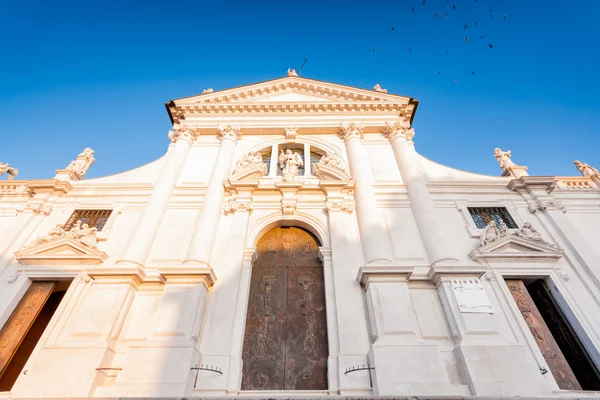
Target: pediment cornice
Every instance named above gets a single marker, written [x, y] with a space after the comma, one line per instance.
[61, 251]
[291, 95]
[516, 248]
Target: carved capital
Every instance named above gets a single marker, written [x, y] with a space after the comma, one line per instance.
[233, 132]
[351, 130]
[399, 128]
[181, 132]
[346, 205]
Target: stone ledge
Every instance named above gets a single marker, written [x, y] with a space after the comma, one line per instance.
[567, 395]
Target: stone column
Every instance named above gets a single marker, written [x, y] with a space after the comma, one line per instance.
[376, 243]
[145, 231]
[400, 135]
[203, 241]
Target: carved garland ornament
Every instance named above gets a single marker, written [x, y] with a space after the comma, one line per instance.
[399, 129]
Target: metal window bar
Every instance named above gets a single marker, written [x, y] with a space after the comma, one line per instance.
[483, 215]
[94, 218]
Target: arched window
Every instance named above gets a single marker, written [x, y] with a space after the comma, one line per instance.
[310, 154]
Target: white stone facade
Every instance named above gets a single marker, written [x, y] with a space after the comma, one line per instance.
[163, 286]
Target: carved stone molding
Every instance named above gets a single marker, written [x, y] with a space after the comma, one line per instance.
[511, 248]
[249, 173]
[346, 205]
[61, 251]
[351, 130]
[399, 128]
[543, 205]
[233, 205]
[291, 134]
[181, 132]
[233, 132]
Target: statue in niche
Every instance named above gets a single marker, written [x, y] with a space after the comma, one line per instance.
[528, 232]
[586, 169]
[503, 158]
[248, 160]
[289, 163]
[7, 169]
[83, 162]
[332, 160]
[490, 234]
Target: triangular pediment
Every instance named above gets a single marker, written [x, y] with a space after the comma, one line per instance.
[292, 89]
[514, 248]
[63, 250]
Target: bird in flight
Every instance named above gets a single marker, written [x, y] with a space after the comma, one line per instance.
[373, 49]
[410, 50]
[491, 46]
[505, 17]
[393, 28]
[473, 73]
[465, 39]
[465, 27]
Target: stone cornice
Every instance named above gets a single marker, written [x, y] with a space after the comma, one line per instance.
[258, 99]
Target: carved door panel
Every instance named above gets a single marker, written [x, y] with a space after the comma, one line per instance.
[554, 357]
[285, 342]
[21, 319]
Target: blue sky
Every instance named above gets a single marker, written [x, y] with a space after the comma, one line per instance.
[97, 73]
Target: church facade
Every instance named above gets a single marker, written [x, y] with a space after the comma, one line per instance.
[291, 241]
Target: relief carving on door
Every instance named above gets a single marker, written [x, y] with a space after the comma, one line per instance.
[285, 342]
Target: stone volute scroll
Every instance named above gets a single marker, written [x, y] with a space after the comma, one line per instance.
[249, 167]
[509, 168]
[331, 167]
[78, 167]
[7, 169]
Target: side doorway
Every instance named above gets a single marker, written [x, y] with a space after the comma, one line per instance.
[25, 326]
[560, 344]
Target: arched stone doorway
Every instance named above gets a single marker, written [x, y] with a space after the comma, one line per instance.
[285, 341]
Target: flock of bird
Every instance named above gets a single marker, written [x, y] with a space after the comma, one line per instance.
[468, 34]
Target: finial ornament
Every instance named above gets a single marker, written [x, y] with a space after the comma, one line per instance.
[206, 91]
[7, 169]
[83, 162]
[292, 72]
[586, 169]
[233, 132]
[379, 89]
[399, 128]
[181, 132]
[351, 130]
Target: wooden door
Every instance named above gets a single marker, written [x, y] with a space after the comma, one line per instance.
[20, 321]
[285, 342]
[562, 372]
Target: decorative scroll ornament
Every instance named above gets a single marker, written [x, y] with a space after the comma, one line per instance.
[80, 232]
[248, 160]
[7, 169]
[233, 132]
[181, 132]
[379, 89]
[291, 72]
[585, 169]
[346, 205]
[399, 128]
[289, 163]
[83, 162]
[351, 130]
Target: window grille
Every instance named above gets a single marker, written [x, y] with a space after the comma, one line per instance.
[94, 218]
[483, 215]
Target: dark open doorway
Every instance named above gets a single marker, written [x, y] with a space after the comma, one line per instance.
[25, 326]
[560, 344]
